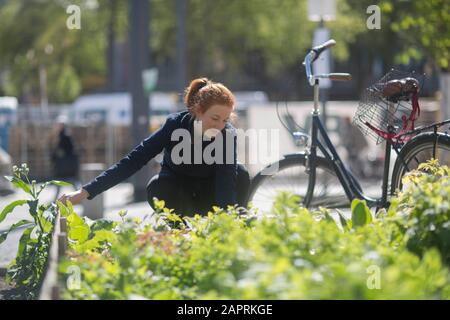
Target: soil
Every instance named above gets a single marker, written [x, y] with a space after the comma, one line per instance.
[5, 289]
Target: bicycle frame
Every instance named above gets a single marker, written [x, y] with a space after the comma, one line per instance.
[348, 181]
[350, 184]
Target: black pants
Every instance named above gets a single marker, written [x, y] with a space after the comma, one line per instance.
[190, 195]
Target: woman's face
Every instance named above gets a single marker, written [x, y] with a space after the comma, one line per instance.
[214, 118]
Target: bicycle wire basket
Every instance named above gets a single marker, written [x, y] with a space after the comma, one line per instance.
[381, 116]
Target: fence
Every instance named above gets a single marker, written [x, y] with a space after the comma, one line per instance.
[33, 137]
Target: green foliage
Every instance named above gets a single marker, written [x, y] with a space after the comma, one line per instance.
[423, 209]
[85, 235]
[235, 254]
[425, 25]
[72, 58]
[360, 213]
[238, 254]
[224, 37]
[25, 272]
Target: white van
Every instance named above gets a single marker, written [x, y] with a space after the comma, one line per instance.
[116, 108]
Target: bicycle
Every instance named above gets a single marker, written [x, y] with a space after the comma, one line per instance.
[387, 112]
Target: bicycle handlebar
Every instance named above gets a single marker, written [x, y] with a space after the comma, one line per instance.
[312, 56]
[320, 48]
[340, 76]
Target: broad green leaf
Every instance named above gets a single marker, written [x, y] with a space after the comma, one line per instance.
[74, 220]
[16, 225]
[360, 213]
[20, 184]
[33, 204]
[10, 207]
[19, 224]
[62, 209]
[61, 183]
[23, 242]
[94, 243]
[46, 220]
[78, 229]
[79, 233]
[70, 207]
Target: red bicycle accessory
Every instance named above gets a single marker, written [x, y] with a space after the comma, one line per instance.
[389, 108]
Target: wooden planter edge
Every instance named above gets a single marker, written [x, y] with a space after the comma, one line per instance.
[50, 287]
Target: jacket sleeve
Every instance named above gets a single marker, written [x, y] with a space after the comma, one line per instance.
[226, 173]
[133, 161]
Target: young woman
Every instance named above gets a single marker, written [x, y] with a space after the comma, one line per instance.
[187, 183]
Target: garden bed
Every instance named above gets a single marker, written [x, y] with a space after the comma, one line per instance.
[402, 253]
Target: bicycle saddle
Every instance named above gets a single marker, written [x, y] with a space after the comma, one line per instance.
[400, 89]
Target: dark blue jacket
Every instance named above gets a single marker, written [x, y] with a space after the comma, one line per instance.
[225, 173]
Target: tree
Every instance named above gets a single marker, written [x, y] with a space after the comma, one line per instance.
[261, 42]
[425, 26]
[41, 39]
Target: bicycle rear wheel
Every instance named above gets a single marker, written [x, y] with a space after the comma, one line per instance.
[419, 150]
[292, 177]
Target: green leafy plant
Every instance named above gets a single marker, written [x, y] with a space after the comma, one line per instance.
[238, 254]
[26, 270]
[228, 255]
[84, 234]
[423, 209]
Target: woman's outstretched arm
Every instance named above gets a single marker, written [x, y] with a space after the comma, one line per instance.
[127, 166]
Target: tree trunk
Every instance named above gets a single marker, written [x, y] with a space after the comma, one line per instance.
[111, 54]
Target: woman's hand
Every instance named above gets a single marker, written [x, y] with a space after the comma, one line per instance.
[75, 197]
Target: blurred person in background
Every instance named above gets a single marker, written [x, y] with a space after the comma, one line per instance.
[64, 159]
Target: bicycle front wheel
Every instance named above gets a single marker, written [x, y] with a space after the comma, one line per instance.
[291, 176]
[419, 150]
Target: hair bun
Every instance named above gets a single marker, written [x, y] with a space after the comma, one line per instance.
[193, 89]
[214, 93]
